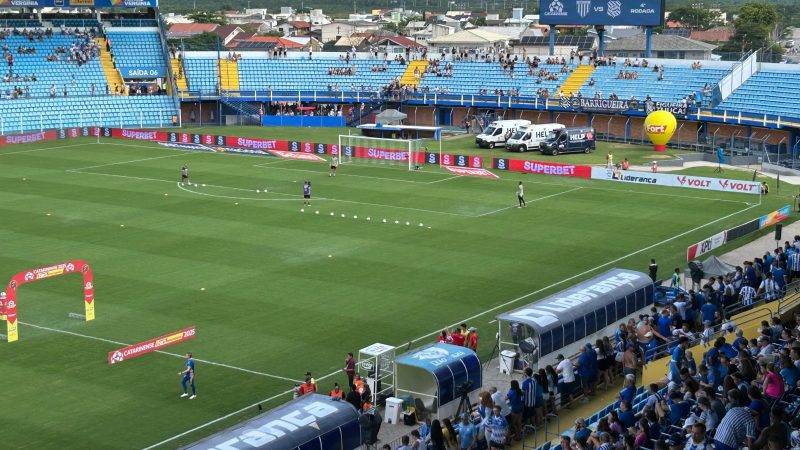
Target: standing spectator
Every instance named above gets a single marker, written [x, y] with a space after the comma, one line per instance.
[605, 360]
[709, 311]
[514, 397]
[467, 433]
[586, 369]
[497, 430]
[768, 289]
[747, 294]
[354, 398]
[529, 396]
[736, 428]
[472, 339]
[350, 369]
[676, 278]
[437, 437]
[630, 362]
[567, 371]
[499, 401]
[653, 267]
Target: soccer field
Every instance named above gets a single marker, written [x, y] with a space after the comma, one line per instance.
[274, 291]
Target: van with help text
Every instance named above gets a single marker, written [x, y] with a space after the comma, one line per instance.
[526, 139]
[498, 132]
[569, 140]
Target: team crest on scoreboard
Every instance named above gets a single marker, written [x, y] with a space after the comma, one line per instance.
[583, 6]
[614, 8]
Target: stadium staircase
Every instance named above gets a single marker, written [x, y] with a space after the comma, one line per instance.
[177, 68]
[408, 78]
[575, 81]
[113, 77]
[229, 76]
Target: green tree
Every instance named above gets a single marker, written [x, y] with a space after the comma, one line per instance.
[480, 21]
[754, 25]
[694, 18]
[758, 13]
[208, 17]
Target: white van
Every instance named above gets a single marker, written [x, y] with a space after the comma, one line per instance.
[526, 139]
[496, 134]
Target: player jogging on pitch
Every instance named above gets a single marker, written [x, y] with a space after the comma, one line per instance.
[307, 193]
[521, 196]
[185, 173]
[188, 376]
[334, 165]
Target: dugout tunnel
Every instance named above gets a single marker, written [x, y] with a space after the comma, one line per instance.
[588, 311]
[310, 422]
[434, 375]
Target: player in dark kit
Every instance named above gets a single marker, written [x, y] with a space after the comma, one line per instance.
[307, 193]
[184, 173]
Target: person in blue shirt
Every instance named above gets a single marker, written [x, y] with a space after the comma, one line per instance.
[678, 359]
[626, 417]
[584, 367]
[467, 433]
[789, 372]
[188, 377]
[628, 392]
[709, 311]
[665, 323]
[676, 407]
[750, 274]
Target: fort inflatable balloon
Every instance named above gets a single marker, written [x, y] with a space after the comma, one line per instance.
[660, 126]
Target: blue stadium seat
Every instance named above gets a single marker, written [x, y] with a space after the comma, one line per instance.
[773, 93]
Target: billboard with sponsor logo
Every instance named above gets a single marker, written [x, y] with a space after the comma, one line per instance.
[310, 422]
[150, 345]
[603, 105]
[79, 3]
[719, 239]
[601, 12]
[141, 135]
[471, 172]
[28, 138]
[672, 180]
[263, 144]
[676, 108]
[544, 168]
[8, 303]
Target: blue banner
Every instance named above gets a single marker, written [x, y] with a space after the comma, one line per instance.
[80, 3]
[601, 12]
[143, 72]
[302, 121]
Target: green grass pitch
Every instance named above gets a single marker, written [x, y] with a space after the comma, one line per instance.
[274, 303]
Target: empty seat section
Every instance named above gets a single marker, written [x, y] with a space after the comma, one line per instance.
[773, 93]
[136, 49]
[678, 82]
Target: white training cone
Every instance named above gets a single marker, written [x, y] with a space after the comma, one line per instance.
[316, 212]
[302, 210]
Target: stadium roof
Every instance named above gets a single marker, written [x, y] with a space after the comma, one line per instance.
[718, 34]
[476, 36]
[660, 42]
[190, 29]
[583, 43]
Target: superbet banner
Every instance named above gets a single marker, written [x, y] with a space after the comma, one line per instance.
[386, 155]
[150, 345]
[8, 301]
[543, 168]
[29, 138]
[262, 144]
[140, 135]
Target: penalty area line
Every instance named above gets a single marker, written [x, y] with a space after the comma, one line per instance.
[109, 341]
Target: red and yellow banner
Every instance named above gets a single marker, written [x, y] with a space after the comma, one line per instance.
[150, 345]
[8, 302]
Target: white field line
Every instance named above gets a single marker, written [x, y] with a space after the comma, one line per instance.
[109, 341]
[340, 174]
[531, 201]
[41, 149]
[467, 320]
[78, 169]
[445, 179]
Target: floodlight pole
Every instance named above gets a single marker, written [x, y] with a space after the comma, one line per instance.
[648, 42]
[552, 40]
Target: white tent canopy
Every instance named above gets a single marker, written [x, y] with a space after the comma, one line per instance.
[390, 117]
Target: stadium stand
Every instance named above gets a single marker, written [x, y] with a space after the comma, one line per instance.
[677, 83]
[202, 74]
[34, 86]
[304, 74]
[766, 93]
[136, 48]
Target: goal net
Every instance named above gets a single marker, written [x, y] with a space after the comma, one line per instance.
[369, 150]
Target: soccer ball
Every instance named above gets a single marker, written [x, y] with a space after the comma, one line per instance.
[368, 219]
[343, 216]
[316, 212]
[408, 223]
[302, 210]
[332, 214]
[396, 222]
[384, 220]
[258, 191]
[355, 217]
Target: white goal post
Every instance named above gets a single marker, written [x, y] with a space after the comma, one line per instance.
[371, 150]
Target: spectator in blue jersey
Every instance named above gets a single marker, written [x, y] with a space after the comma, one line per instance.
[515, 403]
[665, 323]
[628, 391]
[678, 359]
[626, 416]
[587, 364]
[467, 433]
[188, 377]
[497, 430]
[737, 428]
[709, 311]
[675, 281]
[779, 273]
[676, 408]
[789, 372]
[750, 274]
